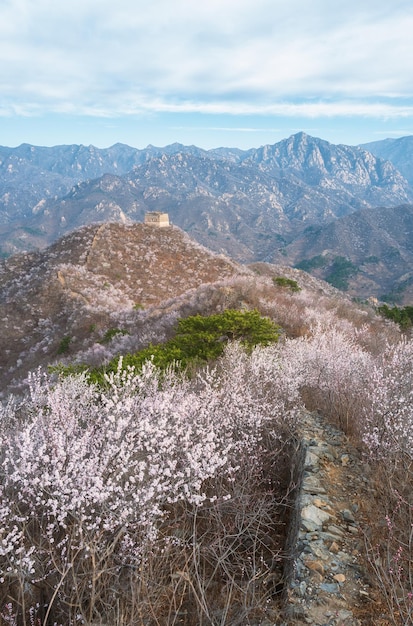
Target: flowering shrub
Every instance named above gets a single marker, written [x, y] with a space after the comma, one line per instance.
[333, 371]
[390, 549]
[388, 412]
[152, 499]
[92, 479]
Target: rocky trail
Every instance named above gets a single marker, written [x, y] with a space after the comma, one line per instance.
[328, 583]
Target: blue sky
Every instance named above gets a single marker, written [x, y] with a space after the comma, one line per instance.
[239, 73]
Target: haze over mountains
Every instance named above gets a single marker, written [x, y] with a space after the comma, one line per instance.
[291, 202]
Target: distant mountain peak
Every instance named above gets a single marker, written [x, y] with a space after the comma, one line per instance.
[303, 136]
[248, 204]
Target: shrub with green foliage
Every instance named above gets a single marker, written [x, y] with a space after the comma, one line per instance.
[64, 345]
[199, 339]
[402, 316]
[289, 283]
[111, 333]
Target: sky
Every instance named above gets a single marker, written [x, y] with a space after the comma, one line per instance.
[236, 73]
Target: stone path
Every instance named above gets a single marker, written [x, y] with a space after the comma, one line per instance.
[328, 583]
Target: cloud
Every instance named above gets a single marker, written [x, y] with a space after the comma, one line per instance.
[101, 58]
[230, 129]
[310, 110]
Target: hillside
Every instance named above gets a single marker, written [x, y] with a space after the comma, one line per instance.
[369, 252]
[58, 304]
[85, 283]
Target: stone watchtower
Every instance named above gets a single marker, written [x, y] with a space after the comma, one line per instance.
[156, 218]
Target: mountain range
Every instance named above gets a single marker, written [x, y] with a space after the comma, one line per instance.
[342, 212]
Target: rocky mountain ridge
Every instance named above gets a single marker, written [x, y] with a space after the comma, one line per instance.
[255, 205]
[398, 151]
